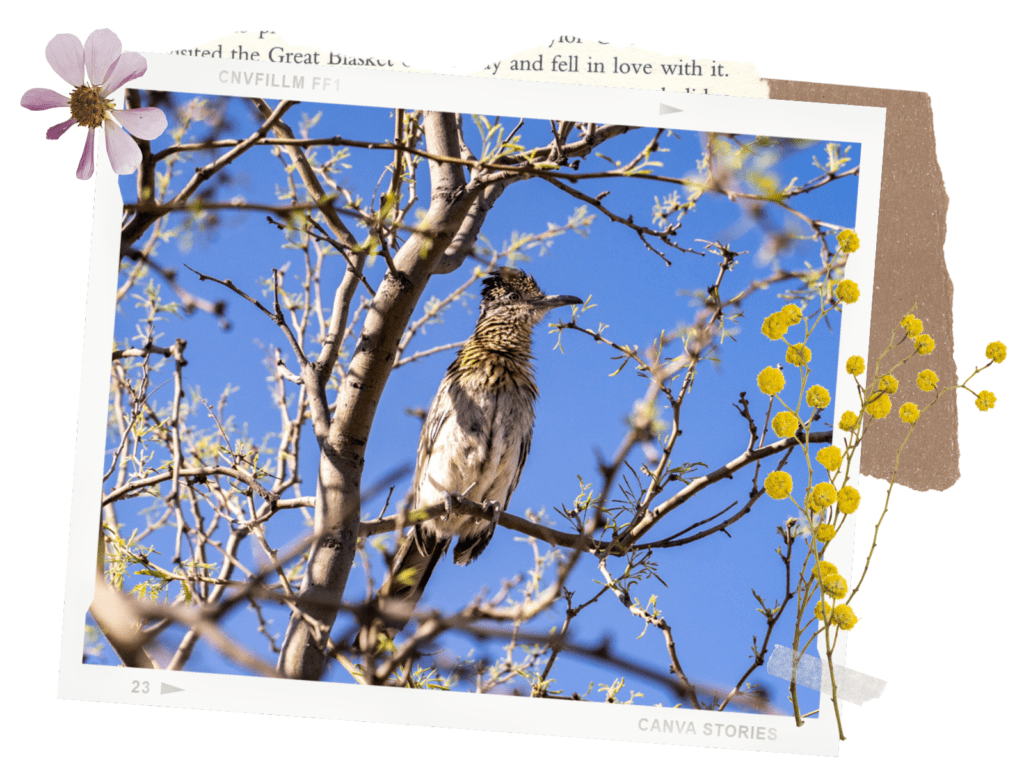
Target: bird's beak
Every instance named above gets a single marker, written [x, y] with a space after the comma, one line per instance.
[550, 302]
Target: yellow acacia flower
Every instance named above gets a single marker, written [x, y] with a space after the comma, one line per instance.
[910, 413]
[879, 407]
[848, 421]
[834, 585]
[791, 314]
[823, 569]
[855, 365]
[818, 397]
[844, 616]
[798, 354]
[785, 424]
[823, 612]
[924, 344]
[848, 240]
[771, 381]
[912, 326]
[823, 495]
[985, 400]
[830, 458]
[778, 484]
[825, 532]
[847, 291]
[927, 380]
[996, 351]
[849, 499]
[888, 383]
[774, 327]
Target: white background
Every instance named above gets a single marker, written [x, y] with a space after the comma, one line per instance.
[940, 610]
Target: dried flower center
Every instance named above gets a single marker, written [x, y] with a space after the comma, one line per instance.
[88, 107]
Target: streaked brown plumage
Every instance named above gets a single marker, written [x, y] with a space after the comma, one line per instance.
[477, 434]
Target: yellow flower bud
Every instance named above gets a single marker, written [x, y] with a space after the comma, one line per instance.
[771, 381]
[798, 354]
[847, 291]
[778, 485]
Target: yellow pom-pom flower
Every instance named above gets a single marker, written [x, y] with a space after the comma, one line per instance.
[785, 424]
[823, 570]
[844, 616]
[924, 344]
[823, 495]
[778, 485]
[798, 354]
[879, 407]
[818, 397]
[855, 365]
[888, 383]
[848, 421]
[823, 612]
[927, 380]
[771, 381]
[849, 499]
[910, 413]
[847, 291]
[830, 458]
[985, 400]
[774, 327]
[912, 326]
[791, 314]
[996, 351]
[825, 532]
[848, 240]
[834, 585]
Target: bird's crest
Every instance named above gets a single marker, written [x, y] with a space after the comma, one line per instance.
[509, 284]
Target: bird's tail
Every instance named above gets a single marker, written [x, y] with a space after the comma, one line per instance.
[412, 568]
[403, 588]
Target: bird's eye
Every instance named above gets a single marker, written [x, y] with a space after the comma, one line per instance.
[513, 296]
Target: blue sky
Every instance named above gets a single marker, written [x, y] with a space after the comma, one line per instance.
[581, 409]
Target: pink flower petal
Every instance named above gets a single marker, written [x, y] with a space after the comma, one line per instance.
[128, 67]
[124, 154]
[145, 122]
[58, 130]
[85, 165]
[43, 98]
[102, 48]
[65, 55]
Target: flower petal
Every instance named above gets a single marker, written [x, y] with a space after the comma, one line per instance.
[65, 55]
[145, 122]
[124, 154]
[58, 130]
[43, 98]
[128, 67]
[102, 48]
[85, 165]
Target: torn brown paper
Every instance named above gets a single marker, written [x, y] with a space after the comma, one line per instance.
[910, 268]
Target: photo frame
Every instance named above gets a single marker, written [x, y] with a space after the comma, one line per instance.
[383, 91]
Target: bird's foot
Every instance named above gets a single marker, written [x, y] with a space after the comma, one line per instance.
[451, 501]
[495, 509]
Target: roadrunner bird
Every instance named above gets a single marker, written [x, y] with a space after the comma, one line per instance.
[477, 434]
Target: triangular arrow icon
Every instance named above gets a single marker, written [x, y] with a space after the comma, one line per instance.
[165, 688]
[665, 109]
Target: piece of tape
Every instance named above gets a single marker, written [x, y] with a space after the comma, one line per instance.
[851, 685]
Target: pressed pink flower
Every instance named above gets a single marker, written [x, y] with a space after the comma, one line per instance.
[108, 69]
